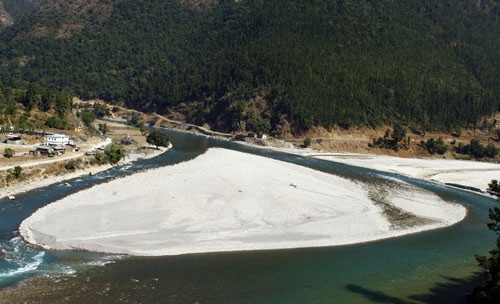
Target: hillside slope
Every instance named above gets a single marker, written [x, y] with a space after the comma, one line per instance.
[14, 9]
[5, 18]
[257, 65]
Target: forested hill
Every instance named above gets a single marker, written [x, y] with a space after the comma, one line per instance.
[280, 64]
[11, 10]
[5, 18]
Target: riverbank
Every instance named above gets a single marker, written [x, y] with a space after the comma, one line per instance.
[46, 180]
[30, 161]
[352, 147]
[230, 201]
[471, 174]
[40, 182]
[353, 140]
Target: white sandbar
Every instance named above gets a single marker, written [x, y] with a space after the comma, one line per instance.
[463, 172]
[225, 201]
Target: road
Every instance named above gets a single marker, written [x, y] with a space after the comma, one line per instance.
[81, 153]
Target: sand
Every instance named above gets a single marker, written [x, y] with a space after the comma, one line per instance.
[225, 200]
[468, 173]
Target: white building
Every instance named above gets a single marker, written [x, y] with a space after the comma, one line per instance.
[57, 139]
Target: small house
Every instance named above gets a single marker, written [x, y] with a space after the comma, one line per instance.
[59, 149]
[497, 123]
[16, 140]
[44, 150]
[41, 133]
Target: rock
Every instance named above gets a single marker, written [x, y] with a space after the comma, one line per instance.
[11, 197]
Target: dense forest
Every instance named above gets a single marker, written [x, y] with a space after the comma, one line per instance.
[30, 107]
[11, 10]
[17, 8]
[281, 65]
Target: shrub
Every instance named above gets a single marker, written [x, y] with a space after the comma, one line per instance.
[8, 152]
[158, 138]
[99, 158]
[399, 133]
[17, 171]
[114, 153]
[101, 110]
[57, 123]
[14, 173]
[135, 120]
[435, 146]
[71, 165]
[103, 128]
[477, 150]
[87, 117]
[258, 125]
[307, 142]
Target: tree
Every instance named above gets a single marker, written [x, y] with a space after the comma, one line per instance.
[101, 110]
[258, 124]
[57, 123]
[307, 142]
[71, 165]
[103, 128]
[17, 171]
[87, 118]
[399, 133]
[8, 152]
[491, 151]
[489, 290]
[48, 99]
[63, 104]
[158, 138]
[435, 146]
[114, 153]
[135, 120]
[476, 149]
[33, 96]
[3, 100]
[11, 108]
[494, 187]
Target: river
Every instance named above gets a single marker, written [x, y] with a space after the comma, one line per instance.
[436, 266]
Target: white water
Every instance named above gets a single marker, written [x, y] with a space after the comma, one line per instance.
[19, 258]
